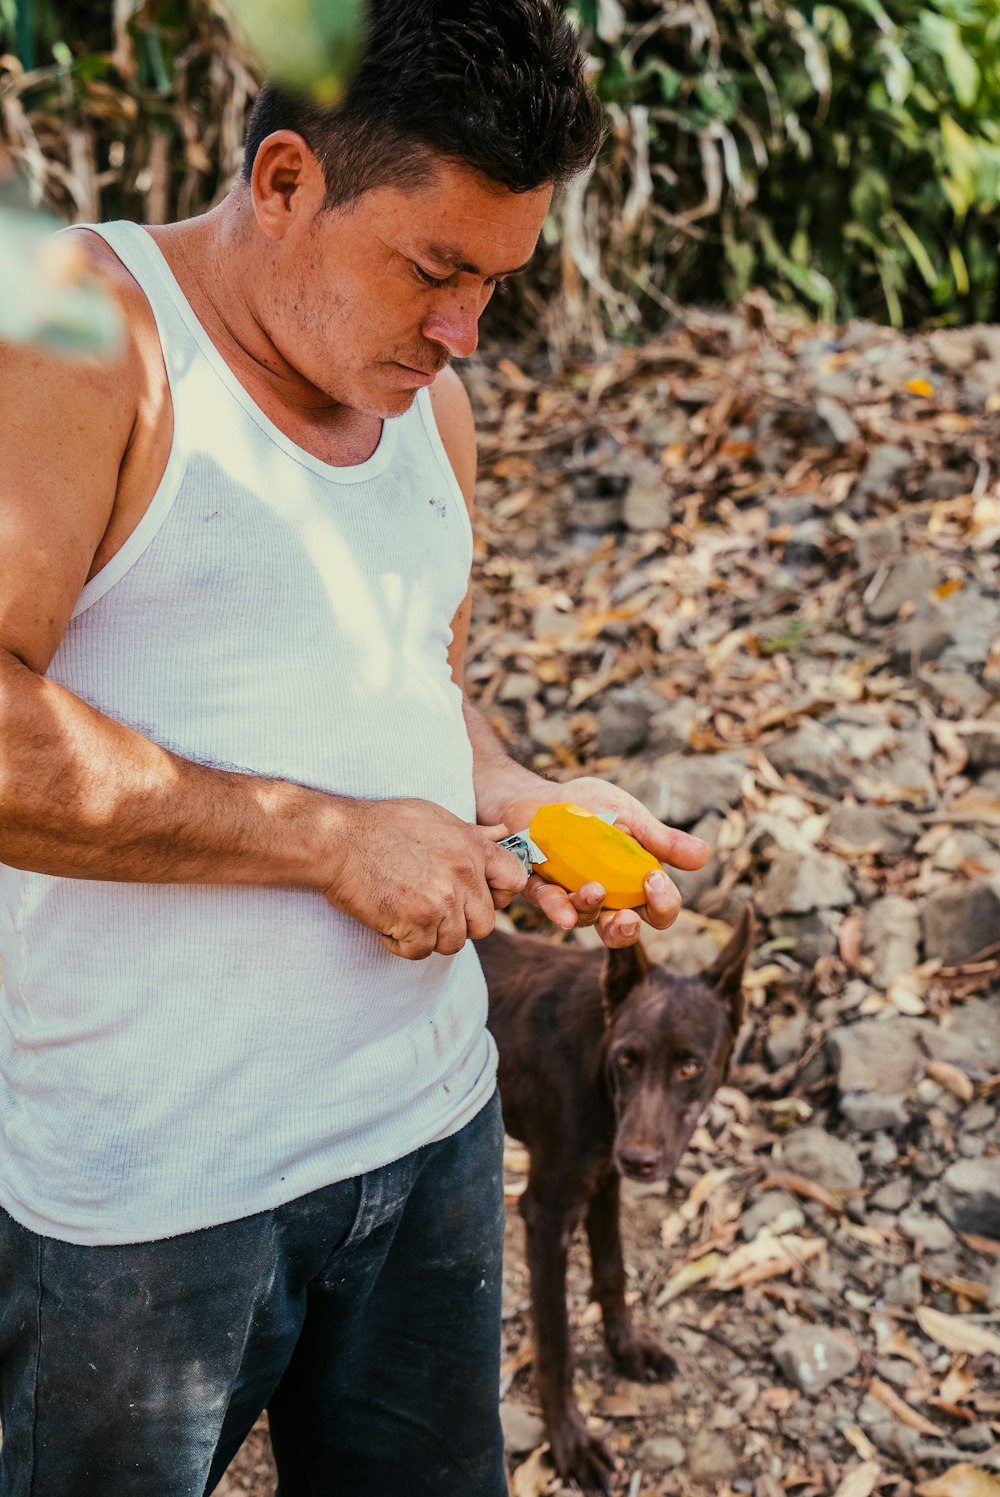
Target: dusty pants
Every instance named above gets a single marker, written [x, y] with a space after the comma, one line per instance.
[365, 1317]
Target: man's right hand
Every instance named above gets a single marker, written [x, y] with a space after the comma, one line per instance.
[422, 878]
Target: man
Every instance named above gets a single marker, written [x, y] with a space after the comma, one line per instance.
[250, 1154]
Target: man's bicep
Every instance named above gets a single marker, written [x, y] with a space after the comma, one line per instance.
[65, 425]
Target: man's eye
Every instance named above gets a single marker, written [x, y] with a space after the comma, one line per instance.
[430, 280]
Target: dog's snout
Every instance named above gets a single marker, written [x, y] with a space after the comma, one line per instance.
[639, 1164]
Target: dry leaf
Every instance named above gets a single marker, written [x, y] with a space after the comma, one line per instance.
[766, 1258]
[902, 1410]
[534, 1477]
[686, 1277]
[956, 1333]
[964, 1480]
[620, 1406]
[860, 1482]
[951, 1077]
[859, 1441]
[956, 1385]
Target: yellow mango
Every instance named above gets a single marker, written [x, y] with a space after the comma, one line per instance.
[580, 848]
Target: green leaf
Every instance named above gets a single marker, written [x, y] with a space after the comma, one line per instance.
[308, 46]
[43, 297]
[944, 36]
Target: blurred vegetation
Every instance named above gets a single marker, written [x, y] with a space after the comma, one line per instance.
[844, 156]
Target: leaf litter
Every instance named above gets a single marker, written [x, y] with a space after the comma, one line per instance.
[748, 569]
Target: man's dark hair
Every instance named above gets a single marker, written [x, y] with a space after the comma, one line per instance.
[496, 85]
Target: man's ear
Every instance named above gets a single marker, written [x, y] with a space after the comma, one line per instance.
[624, 969]
[287, 183]
[726, 972]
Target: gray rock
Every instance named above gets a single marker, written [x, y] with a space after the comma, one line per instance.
[971, 1146]
[972, 617]
[895, 1370]
[907, 581]
[891, 938]
[934, 1235]
[904, 1288]
[712, 1457]
[909, 766]
[974, 1437]
[813, 1357]
[807, 544]
[692, 885]
[956, 348]
[679, 791]
[878, 544]
[970, 1196]
[670, 726]
[874, 1112]
[962, 919]
[649, 500]
[877, 1055]
[664, 1453]
[983, 744]
[884, 471]
[788, 1042]
[957, 690]
[813, 936]
[925, 636]
[797, 883]
[830, 1162]
[883, 1151]
[978, 1116]
[815, 755]
[885, 829]
[549, 622]
[522, 1431]
[892, 1197]
[766, 1209]
[518, 686]
[623, 719]
[832, 425]
[982, 381]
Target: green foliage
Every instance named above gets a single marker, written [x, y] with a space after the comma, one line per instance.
[844, 155]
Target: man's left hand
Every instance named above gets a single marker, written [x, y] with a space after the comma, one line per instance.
[663, 901]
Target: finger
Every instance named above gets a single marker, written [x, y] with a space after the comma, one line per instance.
[480, 915]
[495, 833]
[505, 873]
[553, 902]
[411, 947]
[588, 901]
[663, 901]
[618, 928]
[452, 933]
[679, 849]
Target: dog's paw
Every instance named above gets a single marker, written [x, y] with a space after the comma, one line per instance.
[580, 1456]
[642, 1358]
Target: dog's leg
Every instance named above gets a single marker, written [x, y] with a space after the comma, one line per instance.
[576, 1452]
[639, 1355]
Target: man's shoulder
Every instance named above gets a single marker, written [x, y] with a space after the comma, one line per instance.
[453, 414]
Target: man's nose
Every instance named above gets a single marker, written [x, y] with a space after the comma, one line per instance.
[455, 327]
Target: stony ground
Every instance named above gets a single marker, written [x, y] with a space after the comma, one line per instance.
[750, 571]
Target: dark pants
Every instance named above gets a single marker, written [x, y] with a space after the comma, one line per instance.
[365, 1317]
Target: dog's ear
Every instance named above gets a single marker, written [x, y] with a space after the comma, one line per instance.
[624, 969]
[726, 972]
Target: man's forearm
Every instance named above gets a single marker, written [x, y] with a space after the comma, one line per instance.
[499, 780]
[82, 796]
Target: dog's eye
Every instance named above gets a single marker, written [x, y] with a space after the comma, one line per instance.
[688, 1069]
[627, 1059]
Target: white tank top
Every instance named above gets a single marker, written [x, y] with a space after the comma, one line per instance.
[174, 1056]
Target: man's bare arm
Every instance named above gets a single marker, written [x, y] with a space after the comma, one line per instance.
[84, 796]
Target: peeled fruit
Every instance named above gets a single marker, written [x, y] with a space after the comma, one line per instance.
[580, 848]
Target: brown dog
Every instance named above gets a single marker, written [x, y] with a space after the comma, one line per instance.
[606, 1064]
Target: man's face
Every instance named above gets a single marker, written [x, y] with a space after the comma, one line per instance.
[376, 297]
